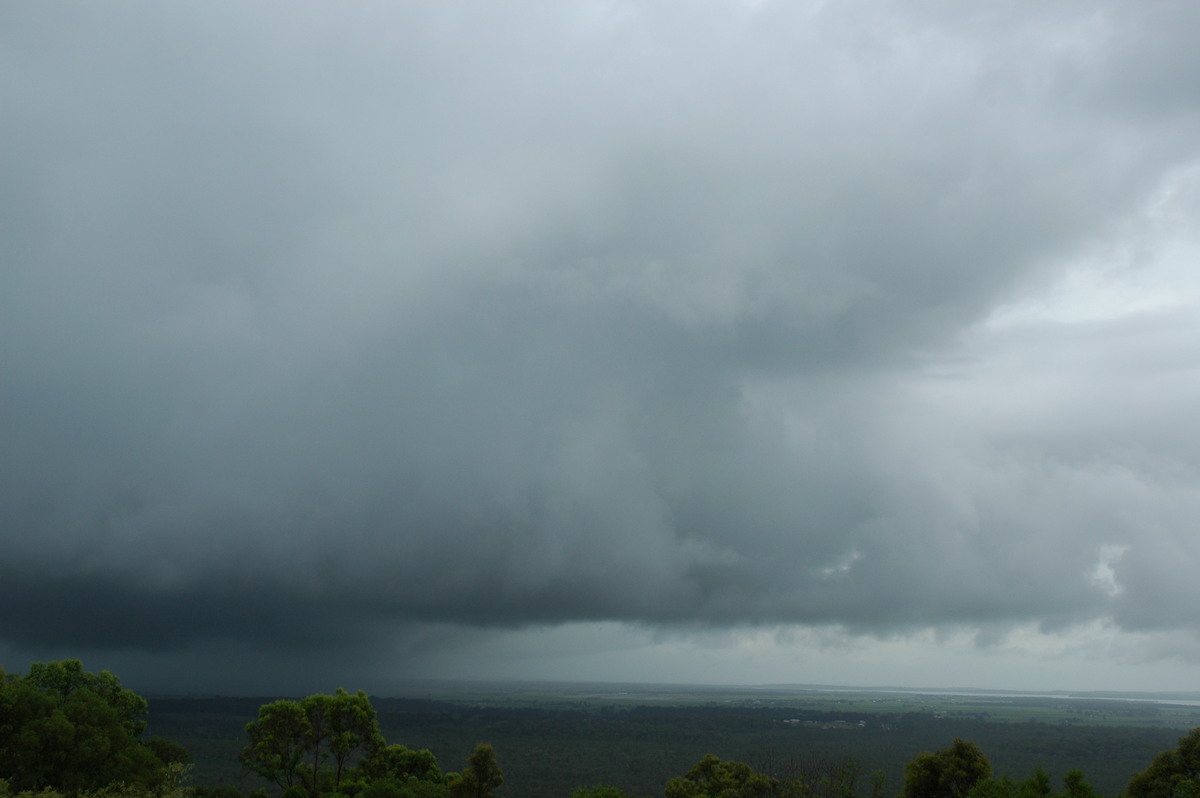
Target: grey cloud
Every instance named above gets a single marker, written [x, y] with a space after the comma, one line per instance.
[423, 315]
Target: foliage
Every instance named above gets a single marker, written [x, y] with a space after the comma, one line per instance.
[481, 777]
[599, 791]
[1036, 785]
[1077, 786]
[412, 788]
[351, 728]
[822, 775]
[331, 744]
[1172, 774]
[712, 778]
[225, 791]
[293, 742]
[63, 728]
[115, 790]
[949, 773]
[395, 762]
[169, 751]
[278, 742]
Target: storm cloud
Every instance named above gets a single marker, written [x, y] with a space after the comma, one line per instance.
[320, 325]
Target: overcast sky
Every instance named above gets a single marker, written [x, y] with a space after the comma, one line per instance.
[686, 340]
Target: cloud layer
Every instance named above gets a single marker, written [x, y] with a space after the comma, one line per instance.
[317, 324]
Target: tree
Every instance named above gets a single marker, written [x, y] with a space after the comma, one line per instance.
[278, 743]
[352, 729]
[878, 783]
[169, 751]
[65, 728]
[1035, 785]
[820, 774]
[1172, 774]
[712, 778]
[395, 771]
[1077, 786]
[401, 764]
[482, 776]
[949, 773]
[599, 791]
[292, 741]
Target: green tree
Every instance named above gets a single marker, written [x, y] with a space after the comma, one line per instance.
[1172, 774]
[878, 784]
[401, 764]
[1035, 785]
[1077, 786]
[713, 778]
[64, 728]
[599, 791]
[949, 773]
[278, 743]
[352, 730]
[311, 744]
[225, 791]
[481, 777]
[169, 751]
[395, 771]
[1003, 787]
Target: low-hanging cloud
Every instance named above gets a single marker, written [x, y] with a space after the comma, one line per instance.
[318, 322]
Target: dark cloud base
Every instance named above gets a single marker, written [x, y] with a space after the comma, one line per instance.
[315, 326]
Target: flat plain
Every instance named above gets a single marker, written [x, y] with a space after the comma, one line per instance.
[553, 737]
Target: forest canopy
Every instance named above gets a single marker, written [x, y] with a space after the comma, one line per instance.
[66, 729]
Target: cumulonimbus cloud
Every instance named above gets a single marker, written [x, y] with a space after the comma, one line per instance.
[651, 316]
